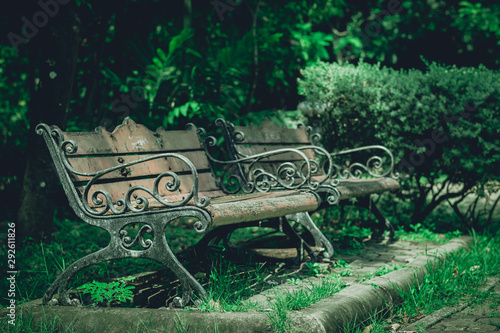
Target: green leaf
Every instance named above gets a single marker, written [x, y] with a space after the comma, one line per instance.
[157, 62]
[161, 54]
[195, 53]
[179, 40]
[184, 109]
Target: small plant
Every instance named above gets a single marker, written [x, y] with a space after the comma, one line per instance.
[346, 272]
[384, 269]
[422, 234]
[342, 264]
[108, 292]
[293, 281]
[315, 269]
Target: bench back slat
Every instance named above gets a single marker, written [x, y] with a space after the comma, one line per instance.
[269, 133]
[133, 138]
[118, 190]
[269, 137]
[101, 150]
[152, 167]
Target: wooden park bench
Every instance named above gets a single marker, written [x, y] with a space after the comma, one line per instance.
[335, 181]
[134, 176]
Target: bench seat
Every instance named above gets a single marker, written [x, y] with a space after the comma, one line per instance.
[355, 188]
[252, 207]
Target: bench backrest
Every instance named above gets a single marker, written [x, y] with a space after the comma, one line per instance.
[129, 142]
[244, 141]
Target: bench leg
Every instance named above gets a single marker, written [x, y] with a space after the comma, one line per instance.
[223, 233]
[319, 239]
[215, 236]
[285, 227]
[119, 248]
[367, 203]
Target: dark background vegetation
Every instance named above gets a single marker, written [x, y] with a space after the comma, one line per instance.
[167, 63]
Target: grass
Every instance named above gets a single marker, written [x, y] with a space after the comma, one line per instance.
[456, 281]
[284, 302]
[422, 234]
[231, 282]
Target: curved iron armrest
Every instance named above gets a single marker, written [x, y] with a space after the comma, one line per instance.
[371, 166]
[285, 176]
[61, 149]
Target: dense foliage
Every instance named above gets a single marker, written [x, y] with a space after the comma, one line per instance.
[172, 63]
[442, 125]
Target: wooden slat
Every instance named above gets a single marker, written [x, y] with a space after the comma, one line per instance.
[133, 138]
[354, 188]
[118, 190]
[286, 156]
[256, 209]
[269, 132]
[152, 167]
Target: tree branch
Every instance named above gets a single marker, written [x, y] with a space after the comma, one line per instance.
[490, 216]
[255, 64]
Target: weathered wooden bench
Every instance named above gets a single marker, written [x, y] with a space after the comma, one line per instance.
[335, 181]
[134, 176]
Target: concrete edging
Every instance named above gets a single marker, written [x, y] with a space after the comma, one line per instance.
[353, 304]
[361, 301]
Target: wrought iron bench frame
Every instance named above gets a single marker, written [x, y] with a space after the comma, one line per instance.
[99, 208]
[339, 183]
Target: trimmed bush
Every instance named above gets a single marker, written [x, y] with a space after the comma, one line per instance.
[442, 125]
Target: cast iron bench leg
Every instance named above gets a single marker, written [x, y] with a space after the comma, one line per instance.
[223, 233]
[367, 203]
[320, 240]
[120, 247]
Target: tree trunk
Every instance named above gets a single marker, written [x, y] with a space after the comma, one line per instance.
[55, 49]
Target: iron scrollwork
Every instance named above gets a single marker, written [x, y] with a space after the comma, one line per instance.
[126, 240]
[245, 173]
[103, 200]
[374, 165]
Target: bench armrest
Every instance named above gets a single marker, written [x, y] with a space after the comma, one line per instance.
[247, 173]
[374, 166]
[61, 149]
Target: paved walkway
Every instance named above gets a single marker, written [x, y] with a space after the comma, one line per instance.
[476, 318]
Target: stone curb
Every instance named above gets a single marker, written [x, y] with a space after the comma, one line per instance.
[354, 304]
[360, 302]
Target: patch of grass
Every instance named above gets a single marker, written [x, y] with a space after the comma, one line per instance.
[423, 234]
[229, 284]
[39, 264]
[284, 302]
[25, 324]
[384, 269]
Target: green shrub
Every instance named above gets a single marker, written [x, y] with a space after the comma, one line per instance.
[442, 125]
